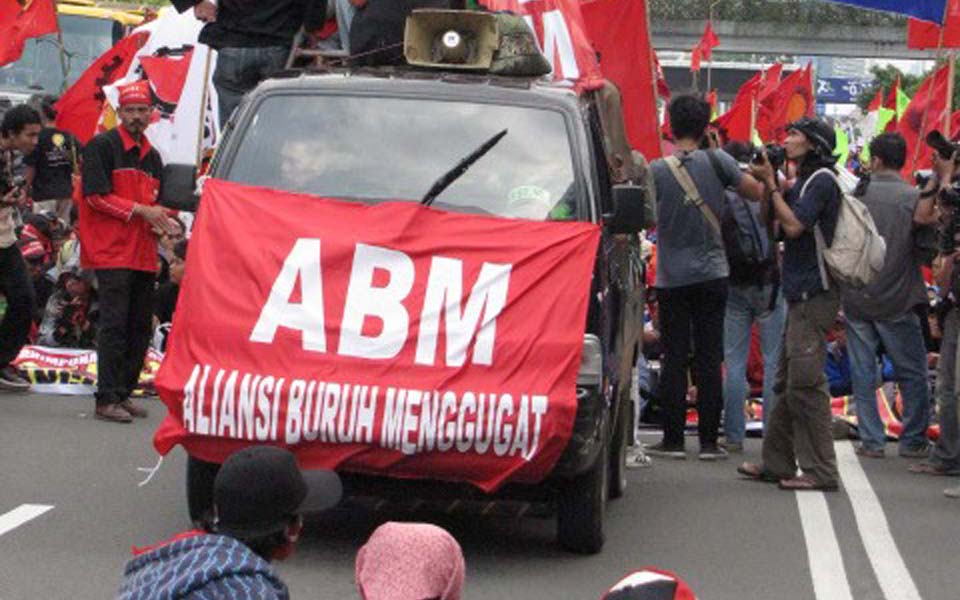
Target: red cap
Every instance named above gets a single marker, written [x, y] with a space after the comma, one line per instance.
[137, 92]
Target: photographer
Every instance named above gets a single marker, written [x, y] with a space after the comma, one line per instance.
[882, 313]
[691, 278]
[800, 429]
[19, 132]
[945, 456]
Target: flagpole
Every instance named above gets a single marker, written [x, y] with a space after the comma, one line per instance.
[948, 113]
[204, 94]
[926, 107]
[710, 60]
[62, 51]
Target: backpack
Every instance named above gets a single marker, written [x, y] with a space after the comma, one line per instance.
[858, 251]
[744, 240]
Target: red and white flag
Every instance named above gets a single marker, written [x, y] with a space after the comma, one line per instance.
[393, 339]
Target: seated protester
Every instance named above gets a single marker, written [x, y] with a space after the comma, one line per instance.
[410, 561]
[167, 243]
[260, 496]
[650, 584]
[69, 320]
[168, 293]
[37, 243]
[54, 162]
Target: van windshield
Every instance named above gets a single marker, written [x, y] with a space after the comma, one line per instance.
[375, 149]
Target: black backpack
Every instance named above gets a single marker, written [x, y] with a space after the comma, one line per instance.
[745, 239]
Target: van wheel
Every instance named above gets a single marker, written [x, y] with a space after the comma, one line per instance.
[581, 507]
[200, 476]
[618, 450]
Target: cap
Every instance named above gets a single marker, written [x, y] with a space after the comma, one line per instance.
[821, 135]
[259, 488]
[410, 561]
[650, 584]
[137, 92]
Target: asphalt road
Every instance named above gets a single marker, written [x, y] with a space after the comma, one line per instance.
[887, 535]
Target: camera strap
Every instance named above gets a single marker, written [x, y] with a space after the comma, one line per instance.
[693, 196]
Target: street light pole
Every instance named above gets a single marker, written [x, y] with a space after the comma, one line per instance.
[710, 62]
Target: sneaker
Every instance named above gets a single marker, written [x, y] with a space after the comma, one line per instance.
[664, 451]
[135, 410]
[953, 492]
[10, 380]
[862, 450]
[637, 458]
[921, 452]
[731, 447]
[712, 452]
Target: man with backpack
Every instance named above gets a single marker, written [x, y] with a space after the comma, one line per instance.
[799, 431]
[691, 279]
[882, 313]
[754, 297]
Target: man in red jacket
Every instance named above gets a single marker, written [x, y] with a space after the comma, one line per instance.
[119, 222]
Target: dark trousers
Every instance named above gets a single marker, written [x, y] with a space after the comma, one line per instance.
[239, 70]
[16, 287]
[123, 335]
[693, 312]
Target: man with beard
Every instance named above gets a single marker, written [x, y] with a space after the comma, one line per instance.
[119, 223]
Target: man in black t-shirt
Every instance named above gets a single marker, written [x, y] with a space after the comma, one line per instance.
[53, 164]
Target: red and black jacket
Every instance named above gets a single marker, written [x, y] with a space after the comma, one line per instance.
[117, 174]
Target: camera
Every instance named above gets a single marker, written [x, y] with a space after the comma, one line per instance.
[944, 147]
[775, 154]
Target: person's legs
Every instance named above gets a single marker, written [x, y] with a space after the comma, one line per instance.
[736, 346]
[807, 388]
[16, 287]
[863, 339]
[675, 337]
[707, 312]
[113, 289]
[236, 73]
[270, 60]
[139, 326]
[771, 326]
[779, 457]
[345, 13]
[903, 341]
[946, 453]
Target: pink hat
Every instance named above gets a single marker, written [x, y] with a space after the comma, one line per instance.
[137, 92]
[410, 561]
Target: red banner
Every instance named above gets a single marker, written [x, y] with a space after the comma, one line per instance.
[21, 20]
[391, 339]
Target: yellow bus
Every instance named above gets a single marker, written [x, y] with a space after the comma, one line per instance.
[89, 29]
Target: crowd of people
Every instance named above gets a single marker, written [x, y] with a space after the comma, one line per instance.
[740, 277]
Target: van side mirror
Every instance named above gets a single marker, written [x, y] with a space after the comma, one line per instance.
[178, 187]
[628, 202]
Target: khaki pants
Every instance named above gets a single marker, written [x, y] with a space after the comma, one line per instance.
[799, 428]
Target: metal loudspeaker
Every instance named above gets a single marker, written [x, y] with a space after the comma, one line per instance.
[451, 39]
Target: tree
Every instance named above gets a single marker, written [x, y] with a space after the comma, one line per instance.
[885, 76]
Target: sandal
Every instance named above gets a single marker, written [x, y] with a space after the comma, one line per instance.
[805, 483]
[756, 472]
[926, 468]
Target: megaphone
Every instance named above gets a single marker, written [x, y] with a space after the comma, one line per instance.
[451, 39]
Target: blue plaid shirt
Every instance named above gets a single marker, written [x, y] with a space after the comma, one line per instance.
[201, 567]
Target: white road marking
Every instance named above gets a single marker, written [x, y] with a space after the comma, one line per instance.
[885, 558]
[20, 515]
[823, 550]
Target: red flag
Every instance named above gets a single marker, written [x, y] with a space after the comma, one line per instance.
[924, 35]
[619, 32]
[347, 328]
[891, 104]
[792, 100]
[559, 27]
[931, 97]
[766, 100]
[167, 74]
[708, 41]
[771, 81]
[663, 89]
[20, 21]
[78, 110]
[737, 122]
[877, 101]
[695, 59]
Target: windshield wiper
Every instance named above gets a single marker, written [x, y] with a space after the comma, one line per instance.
[447, 179]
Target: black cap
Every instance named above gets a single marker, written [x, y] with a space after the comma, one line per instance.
[260, 488]
[821, 135]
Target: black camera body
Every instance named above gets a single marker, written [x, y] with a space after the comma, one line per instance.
[775, 154]
[944, 147]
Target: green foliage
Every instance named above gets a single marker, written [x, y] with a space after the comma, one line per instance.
[885, 76]
[777, 11]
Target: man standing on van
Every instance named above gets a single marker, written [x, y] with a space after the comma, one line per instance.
[692, 271]
[119, 221]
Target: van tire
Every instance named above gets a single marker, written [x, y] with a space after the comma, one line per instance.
[581, 507]
[618, 449]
